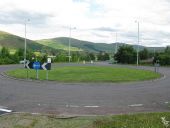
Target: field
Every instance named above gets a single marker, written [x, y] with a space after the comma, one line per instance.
[88, 74]
[146, 120]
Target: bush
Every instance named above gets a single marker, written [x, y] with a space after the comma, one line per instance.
[164, 59]
[125, 55]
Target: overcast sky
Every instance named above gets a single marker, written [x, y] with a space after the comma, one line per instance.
[95, 20]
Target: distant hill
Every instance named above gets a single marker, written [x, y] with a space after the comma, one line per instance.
[76, 45]
[14, 42]
[60, 44]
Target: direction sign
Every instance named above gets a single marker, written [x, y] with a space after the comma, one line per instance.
[46, 66]
[36, 65]
[29, 65]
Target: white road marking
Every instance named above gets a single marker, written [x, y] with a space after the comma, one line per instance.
[5, 110]
[91, 106]
[135, 105]
[166, 102]
[35, 113]
[74, 106]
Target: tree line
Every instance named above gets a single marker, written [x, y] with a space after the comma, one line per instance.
[61, 56]
[126, 54]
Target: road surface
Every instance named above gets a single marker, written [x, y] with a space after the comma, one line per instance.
[85, 98]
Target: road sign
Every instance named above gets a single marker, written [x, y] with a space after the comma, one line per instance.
[29, 65]
[36, 65]
[39, 66]
[46, 66]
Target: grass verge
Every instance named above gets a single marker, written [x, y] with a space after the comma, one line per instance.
[88, 74]
[149, 120]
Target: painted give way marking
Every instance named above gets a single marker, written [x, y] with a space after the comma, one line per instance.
[4, 110]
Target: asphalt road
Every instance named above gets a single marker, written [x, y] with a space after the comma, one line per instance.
[85, 98]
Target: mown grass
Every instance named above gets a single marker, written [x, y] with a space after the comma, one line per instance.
[88, 74]
[146, 120]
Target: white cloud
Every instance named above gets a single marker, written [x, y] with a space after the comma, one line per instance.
[95, 20]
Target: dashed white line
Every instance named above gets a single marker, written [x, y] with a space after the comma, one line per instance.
[72, 106]
[135, 105]
[91, 106]
[76, 106]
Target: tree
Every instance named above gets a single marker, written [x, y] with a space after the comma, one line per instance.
[125, 55]
[30, 54]
[5, 52]
[103, 56]
[144, 54]
[92, 56]
[167, 49]
[43, 59]
[20, 54]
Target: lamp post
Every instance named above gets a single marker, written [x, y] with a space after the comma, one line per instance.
[137, 57]
[116, 44]
[69, 55]
[25, 46]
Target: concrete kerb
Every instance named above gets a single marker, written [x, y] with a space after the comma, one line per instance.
[62, 116]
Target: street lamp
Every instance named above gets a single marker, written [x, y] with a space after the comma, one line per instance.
[71, 28]
[25, 48]
[116, 44]
[137, 58]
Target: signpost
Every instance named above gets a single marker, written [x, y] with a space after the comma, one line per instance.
[27, 65]
[157, 65]
[39, 66]
[47, 67]
[36, 66]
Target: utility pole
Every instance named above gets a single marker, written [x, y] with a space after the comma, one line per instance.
[25, 45]
[137, 58]
[69, 54]
[116, 44]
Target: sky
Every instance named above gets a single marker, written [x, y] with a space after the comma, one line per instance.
[91, 20]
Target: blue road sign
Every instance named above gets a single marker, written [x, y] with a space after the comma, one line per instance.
[36, 65]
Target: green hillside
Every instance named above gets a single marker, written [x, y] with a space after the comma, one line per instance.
[76, 45]
[55, 43]
[14, 42]
[59, 44]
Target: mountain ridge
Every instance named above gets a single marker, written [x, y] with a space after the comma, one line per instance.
[60, 43]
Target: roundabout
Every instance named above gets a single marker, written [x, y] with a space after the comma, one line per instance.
[83, 73]
[85, 98]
